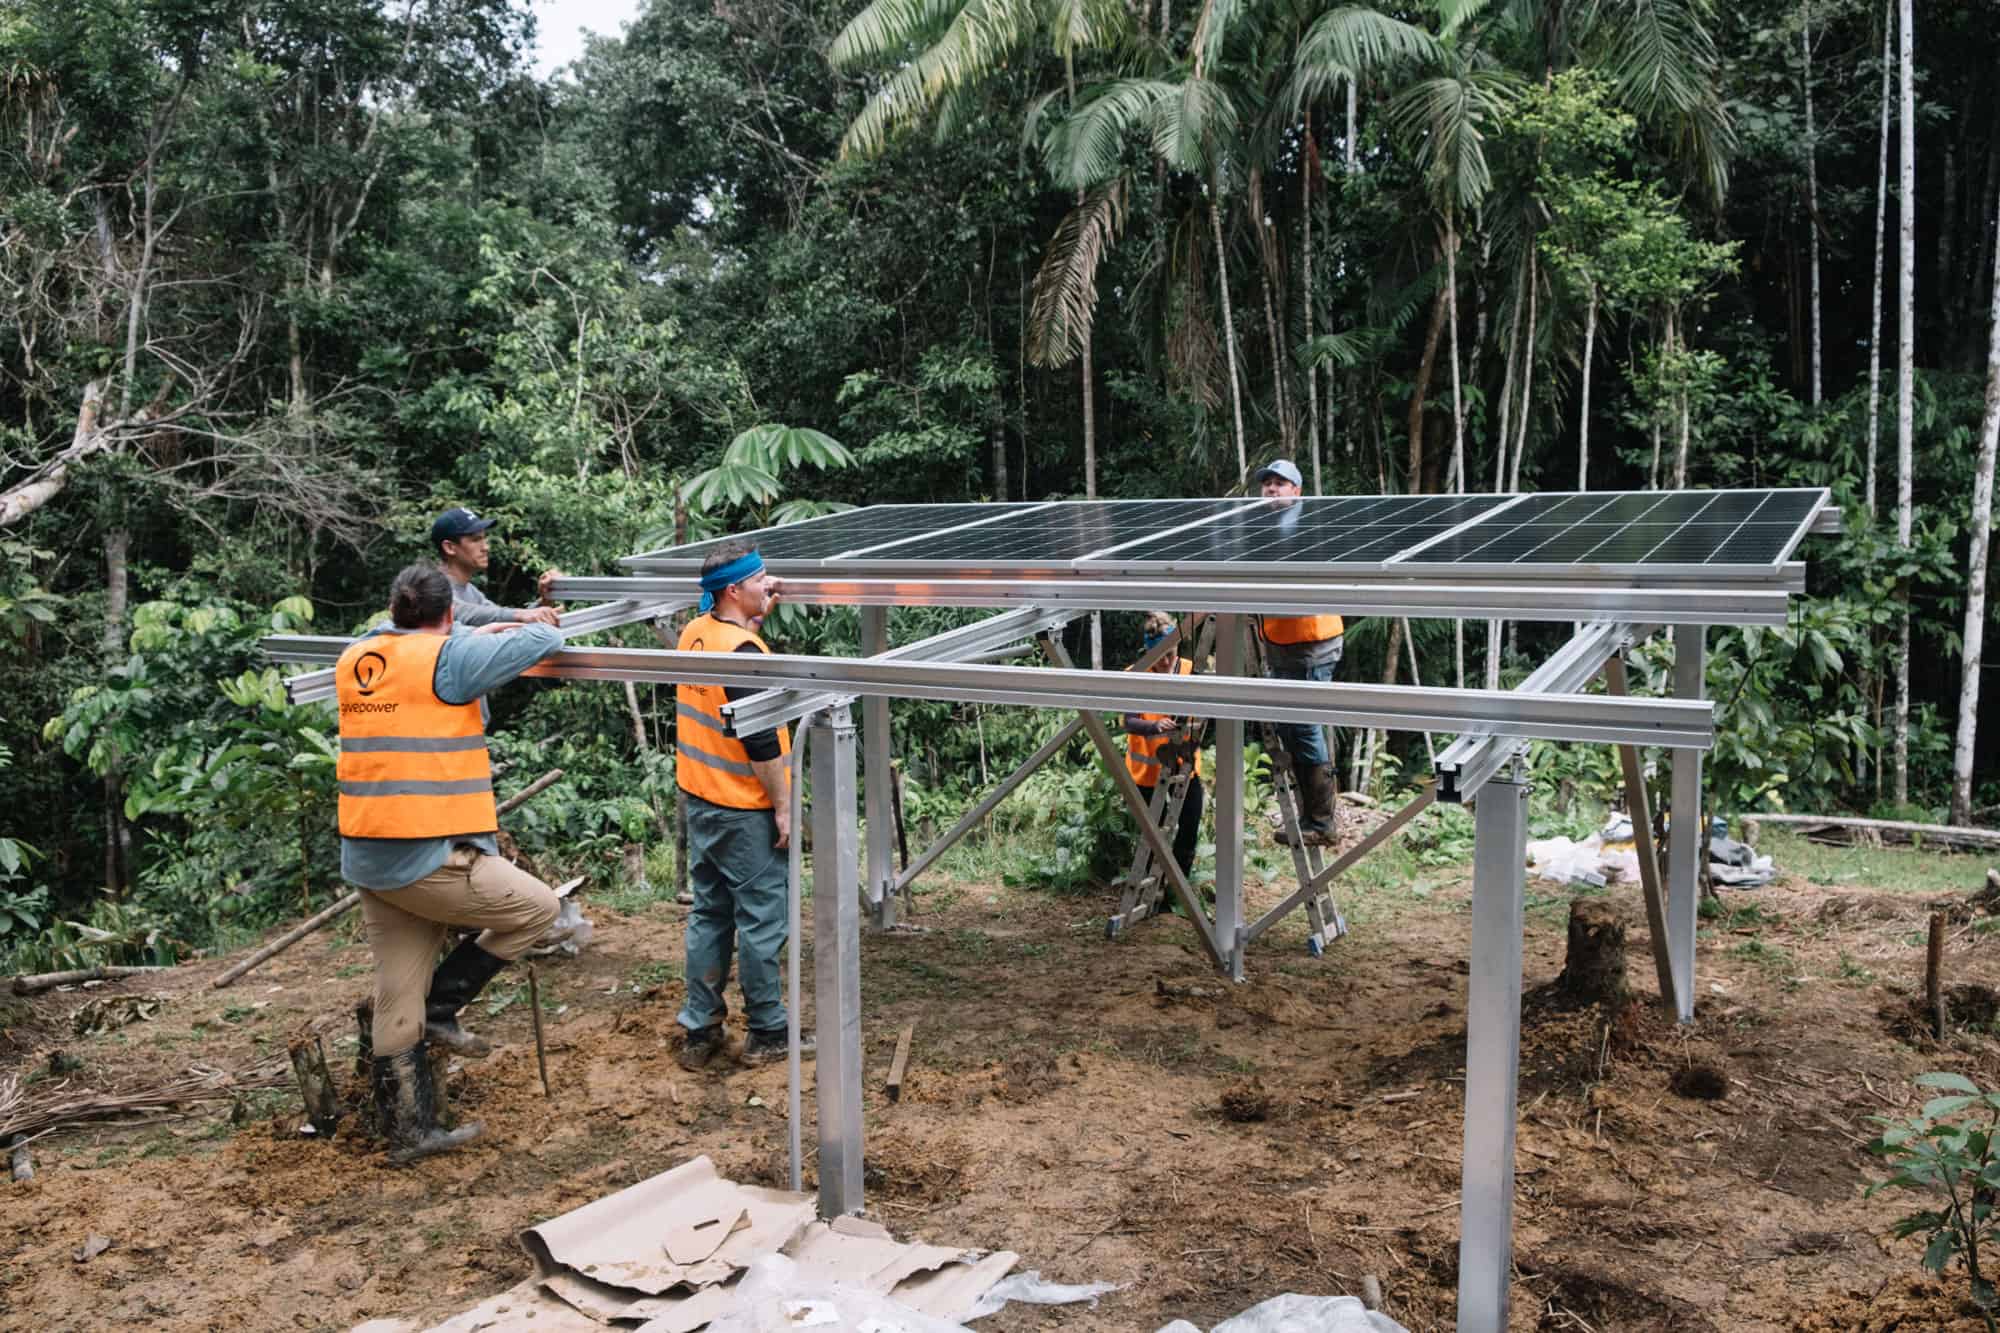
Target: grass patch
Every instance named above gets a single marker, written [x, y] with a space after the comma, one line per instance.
[648, 975]
[1901, 870]
[1743, 916]
[1761, 954]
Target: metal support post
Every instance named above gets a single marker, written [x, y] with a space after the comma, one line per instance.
[1640, 808]
[1229, 812]
[836, 963]
[1687, 836]
[877, 886]
[1492, 1056]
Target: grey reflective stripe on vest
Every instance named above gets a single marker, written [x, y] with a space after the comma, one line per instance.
[457, 787]
[1149, 761]
[739, 768]
[685, 713]
[411, 744]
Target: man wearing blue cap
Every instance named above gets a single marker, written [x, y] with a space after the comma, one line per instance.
[459, 535]
[739, 825]
[1302, 648]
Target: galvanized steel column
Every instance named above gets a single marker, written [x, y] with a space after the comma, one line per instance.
[836, 963]
[1492, 1056]
[1229, 811]
[876, 785]
[1687, 835]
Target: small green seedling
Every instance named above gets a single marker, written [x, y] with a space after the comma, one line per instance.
[1945, 1150]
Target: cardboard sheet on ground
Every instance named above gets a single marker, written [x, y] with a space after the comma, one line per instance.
[666, 1254]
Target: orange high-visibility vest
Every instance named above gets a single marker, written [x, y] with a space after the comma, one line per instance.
[1301, 629]
[1142, 753]
[709, 762]
[411, 765]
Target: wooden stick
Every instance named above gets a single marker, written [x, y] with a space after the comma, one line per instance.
[535, 1009]
[352, 900]
[896, 1066]
[33, 984]
[1934, 974]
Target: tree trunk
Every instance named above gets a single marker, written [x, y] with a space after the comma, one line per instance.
[1414, 482]
[1229, 340]
[1353, 162]
[117, 593]
[1583, 409]
[1309, 170]
[1906, 366]
[1881, 214]
[1527, 376]
[1457, 416]
[1812, 189]
[1269, 273]
[1974, 634]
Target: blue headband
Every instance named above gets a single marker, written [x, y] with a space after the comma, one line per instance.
[724, 577]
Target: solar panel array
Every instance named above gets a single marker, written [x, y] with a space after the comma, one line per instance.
[1723, 533]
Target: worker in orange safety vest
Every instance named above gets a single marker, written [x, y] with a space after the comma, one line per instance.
[418, 837]
[739, 826]
[1302, 648]
[1158, 746]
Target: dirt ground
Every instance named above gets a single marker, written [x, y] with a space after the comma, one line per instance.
[1207, 1151]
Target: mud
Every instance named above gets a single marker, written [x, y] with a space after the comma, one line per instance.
[1208, 1149]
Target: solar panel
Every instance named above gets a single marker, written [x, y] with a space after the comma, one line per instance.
[1648, 530]
[1340, 530]
[1051, 537]
[1677, 534]
[819, 539]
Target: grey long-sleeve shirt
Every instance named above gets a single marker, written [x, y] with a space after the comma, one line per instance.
[473, 608]
[468, 667]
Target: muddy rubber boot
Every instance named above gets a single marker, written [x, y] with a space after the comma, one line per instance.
[406, 1108]
[1320, 802]
[456, 983]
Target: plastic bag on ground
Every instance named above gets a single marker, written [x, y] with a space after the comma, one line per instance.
[1567, 862]
[1293, 1313]
[1029, 1289]
[567, 934]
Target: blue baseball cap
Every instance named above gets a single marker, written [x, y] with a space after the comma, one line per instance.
[459, 522]
[1283, 469]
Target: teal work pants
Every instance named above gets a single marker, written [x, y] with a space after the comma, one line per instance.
[740, 884]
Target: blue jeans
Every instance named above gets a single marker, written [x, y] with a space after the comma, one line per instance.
[741, 885]
[1303, 661]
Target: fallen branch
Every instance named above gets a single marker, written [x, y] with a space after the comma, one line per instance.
[34, 1116]
[353, 900]
[901, 1062]
[33, 984]
[1897, 830]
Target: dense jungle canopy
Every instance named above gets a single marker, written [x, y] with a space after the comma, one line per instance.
[278, 281]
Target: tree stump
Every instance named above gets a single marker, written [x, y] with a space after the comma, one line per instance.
[315, 1084]
[1594, 969]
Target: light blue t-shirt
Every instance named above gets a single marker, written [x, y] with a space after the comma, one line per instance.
[469, 666]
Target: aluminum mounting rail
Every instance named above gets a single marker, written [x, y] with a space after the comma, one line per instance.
[761, 712]
[314, 686]
[1471, 761]
[1665, 606]
[1597, 719]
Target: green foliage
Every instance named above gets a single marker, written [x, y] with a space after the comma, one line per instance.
[1948, 1152]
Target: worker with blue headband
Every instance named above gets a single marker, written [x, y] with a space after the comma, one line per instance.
[1158, 746]
[739, 826]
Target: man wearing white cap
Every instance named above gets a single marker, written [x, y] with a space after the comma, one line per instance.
[1302, 648]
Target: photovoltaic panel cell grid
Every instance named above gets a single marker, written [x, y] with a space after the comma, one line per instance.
[1645, 529]
[1331, 530]
[1053, 536]
[822, 538]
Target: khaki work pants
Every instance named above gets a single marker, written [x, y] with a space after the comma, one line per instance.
[406, 928]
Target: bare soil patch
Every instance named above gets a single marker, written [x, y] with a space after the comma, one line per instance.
[1207, 1145]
